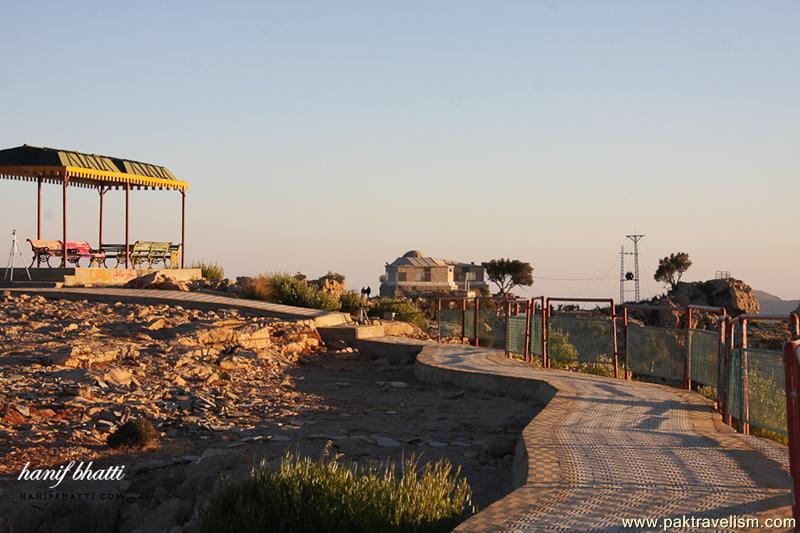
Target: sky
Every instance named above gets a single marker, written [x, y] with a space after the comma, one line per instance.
[336, 136]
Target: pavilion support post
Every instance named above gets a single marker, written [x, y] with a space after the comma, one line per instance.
[64, 222]
[38, 215]
[127, 218]
[39, 208]
[183, 229]
[102, 192]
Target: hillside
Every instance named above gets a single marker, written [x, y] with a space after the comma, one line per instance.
[771, 304]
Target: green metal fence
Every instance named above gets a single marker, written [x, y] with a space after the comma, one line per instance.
[469, 324]
[752, 382]
[734, 381]
[766, 395]
[515, 333]
[705, 348]
[536, 331]
[492, 328]
[656, 352]
[450, 323]
[581, 339]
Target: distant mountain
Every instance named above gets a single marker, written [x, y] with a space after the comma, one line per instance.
[771, 304]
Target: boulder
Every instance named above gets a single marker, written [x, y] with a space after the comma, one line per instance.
[226, 333]
[84, 355]
[736, 296]
[157, 280]
[118, 376]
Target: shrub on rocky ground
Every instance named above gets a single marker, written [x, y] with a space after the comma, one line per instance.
[136, 433]
[306, 495]
[209, 270]
[403, 310]
[352, 301]
[292, 291]
[289, 290]
[259, 287]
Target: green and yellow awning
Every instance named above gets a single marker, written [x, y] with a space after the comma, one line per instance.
[31, 163]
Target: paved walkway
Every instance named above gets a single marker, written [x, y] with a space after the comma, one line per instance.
[605, 449]
[192, 299]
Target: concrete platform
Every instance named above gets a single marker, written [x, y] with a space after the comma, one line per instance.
[91, 277]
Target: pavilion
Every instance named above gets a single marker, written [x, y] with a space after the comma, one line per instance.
[103, 173]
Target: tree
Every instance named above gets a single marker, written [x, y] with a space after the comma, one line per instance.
[670, 269]
[508, 273]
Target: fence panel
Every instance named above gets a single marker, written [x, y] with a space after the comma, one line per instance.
[515, 334]
[735, 383]
[450, 323]
[469, 323]
[492, 328]
[536, 333]
[580, 339]
[705, 346]
[766, 390]
[657, 352]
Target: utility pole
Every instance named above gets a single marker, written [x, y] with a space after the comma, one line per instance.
[622, 274]
[630, 276]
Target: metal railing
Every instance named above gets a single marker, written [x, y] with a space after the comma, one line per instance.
[554, 332]
[755, 386]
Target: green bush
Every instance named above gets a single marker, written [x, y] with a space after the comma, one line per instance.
[259, 288]
[289, 290]
[135, 433]
[209, 270]
[352, 301]
[293, 291]
[305, 495]
[403, 309]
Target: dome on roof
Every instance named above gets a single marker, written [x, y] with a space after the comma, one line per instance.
[413, 253]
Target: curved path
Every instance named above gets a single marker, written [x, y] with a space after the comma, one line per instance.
[604, 450]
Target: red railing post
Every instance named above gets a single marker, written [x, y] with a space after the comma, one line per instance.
[438, 320]
[795, 319]
[463, 320]
[545, 340]
[614, 333]
[791, 353]
[687, 365]
[475, 321]
[731, 346]
[625, 341]
[507, 311]
[745, 384]
[528, 314]
[722, 370]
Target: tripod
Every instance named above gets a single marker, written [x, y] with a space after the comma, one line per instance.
[14, 251]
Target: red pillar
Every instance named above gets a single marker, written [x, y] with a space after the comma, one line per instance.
[183, 228]
[39, 209]
[100, 230]
[127, 239]
[64, 222]
[745, 382]
[791, 368]
[38, 213]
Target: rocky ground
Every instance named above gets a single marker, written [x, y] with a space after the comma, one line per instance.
[224, 390]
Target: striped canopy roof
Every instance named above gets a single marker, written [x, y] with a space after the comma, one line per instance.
[51, 165]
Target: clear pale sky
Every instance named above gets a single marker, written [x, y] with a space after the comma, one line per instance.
[338, 135]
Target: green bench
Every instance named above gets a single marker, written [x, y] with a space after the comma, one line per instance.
[153, 253]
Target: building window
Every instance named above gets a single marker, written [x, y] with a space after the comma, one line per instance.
[401, 276]
[426, 274]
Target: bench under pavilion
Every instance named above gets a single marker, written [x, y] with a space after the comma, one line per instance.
[103, 173]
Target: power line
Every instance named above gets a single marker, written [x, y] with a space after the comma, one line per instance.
[572, 279]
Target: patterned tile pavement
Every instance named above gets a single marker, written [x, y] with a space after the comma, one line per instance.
[606, 449]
